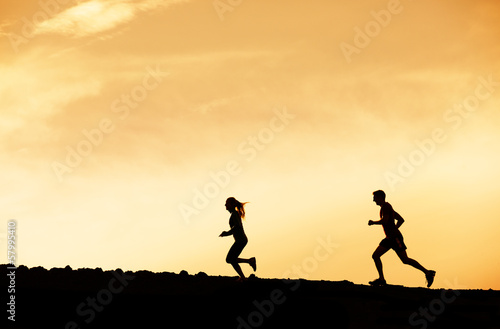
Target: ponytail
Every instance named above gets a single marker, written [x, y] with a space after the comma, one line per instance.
[238, 206]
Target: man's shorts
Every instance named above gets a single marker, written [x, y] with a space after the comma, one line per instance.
[395, 243]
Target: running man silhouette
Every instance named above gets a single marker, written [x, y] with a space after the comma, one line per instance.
[237, 210]
[393, 240]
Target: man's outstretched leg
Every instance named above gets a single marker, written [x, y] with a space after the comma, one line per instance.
[378, 264]
[429, 275]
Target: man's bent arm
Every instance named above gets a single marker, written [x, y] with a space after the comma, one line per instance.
[399, 219]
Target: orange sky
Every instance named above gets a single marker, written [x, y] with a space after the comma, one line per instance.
[126, 124]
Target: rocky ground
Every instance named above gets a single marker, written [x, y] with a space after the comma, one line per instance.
[92, 298]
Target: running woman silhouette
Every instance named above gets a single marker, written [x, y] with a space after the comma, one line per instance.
[393, 240]
[237, 210]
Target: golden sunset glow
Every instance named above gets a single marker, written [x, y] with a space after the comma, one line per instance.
[125, 125]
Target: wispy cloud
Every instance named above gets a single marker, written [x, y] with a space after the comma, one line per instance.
[96, 16]
[28, 101]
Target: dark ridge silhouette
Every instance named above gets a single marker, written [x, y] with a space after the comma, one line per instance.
[94, 298]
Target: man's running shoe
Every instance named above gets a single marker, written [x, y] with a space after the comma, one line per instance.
[430, 278]
[253, 263]
[378, 282]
